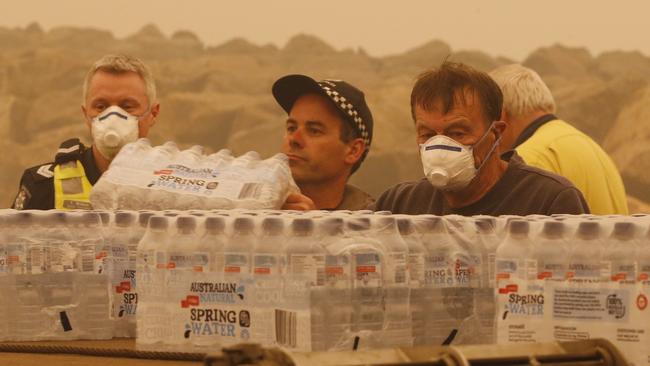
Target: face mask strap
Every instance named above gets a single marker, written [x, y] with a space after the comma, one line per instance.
[494, 146]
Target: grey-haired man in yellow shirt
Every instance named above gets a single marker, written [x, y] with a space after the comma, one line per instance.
[547, 142]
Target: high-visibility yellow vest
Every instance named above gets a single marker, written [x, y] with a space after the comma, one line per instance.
[71, 187]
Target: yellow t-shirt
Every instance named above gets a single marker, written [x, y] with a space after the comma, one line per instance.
[562, 149]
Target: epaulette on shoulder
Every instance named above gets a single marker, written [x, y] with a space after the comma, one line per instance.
[69, 150]
[42, 172]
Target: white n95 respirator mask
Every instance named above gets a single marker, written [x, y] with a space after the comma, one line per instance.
[112, 129]
[448, 164]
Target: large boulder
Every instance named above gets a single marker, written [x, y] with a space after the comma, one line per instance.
[628, 143]
[558, 60]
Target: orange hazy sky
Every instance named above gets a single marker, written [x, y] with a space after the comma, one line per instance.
[510, 28]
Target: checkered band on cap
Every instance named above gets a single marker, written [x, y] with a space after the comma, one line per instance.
[347, 107]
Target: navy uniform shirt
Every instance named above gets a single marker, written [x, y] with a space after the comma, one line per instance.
[522, 190]
[36, 190]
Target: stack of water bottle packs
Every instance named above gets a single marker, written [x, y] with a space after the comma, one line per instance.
[163, 177]
[318, 280]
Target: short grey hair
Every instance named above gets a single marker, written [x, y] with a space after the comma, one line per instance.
[523, 89]
[118, 64]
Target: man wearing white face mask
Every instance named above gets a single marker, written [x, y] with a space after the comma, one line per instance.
[119, 106]
[457, 113]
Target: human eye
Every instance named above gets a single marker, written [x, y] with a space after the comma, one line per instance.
[424, 135]
[457, 135]
[129, 107]
[290, 128]
[99, 106]
[313, 130]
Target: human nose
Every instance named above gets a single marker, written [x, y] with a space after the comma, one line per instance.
[295, 138]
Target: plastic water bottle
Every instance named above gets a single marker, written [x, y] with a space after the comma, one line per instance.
[397, 319]
[586, 254]
[16, 245]
[122, 273]
[94, 283]
[338, 276]
[444, 313]
[415, 266]
[643, 259]
[518, 293]
[267, 264]
[621, 253]
[64, 255]
[487, 239]
[181, 250]
[153, 317]
[515, 264]
[368, 262]
[267, 252]
[305, 263]
[213, 242]
[238, 250]
[90, 244]
[551, 251]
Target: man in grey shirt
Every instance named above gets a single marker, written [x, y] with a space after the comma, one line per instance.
[328, 132]
[457, 113]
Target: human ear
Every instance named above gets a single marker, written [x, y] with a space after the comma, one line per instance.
[155, 111]
[355, 151]
[86, 119]
[499, 128]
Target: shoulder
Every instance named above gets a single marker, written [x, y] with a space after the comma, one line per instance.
[531, 173]
[551, 193]
[355, 198]
[36, 190]
[69, 150]
[560, 137]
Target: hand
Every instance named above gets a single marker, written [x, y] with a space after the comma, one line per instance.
[299, 202]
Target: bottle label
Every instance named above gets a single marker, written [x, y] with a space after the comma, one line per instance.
[266, 264]
[36, 260]
[416, 269]
[644, 273]
[16, 258]
[462, 272]
[437, 271]
[551, 271]
[396, 270]
[102, 250]
[531, 269]
[179, 260]
[236, 263]
[623, 272]
[367, 270]
[312, 266]
[161, 260]
[584, 272]
[507, 269]
[337, 270]
[201, 262]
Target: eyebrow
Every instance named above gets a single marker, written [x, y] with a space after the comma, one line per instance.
[461, 123]
[125, 100]
[308, 123]
[315, 123]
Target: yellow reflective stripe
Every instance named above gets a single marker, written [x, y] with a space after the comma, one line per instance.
[61, 174]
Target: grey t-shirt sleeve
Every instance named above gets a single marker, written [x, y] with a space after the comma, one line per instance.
[569, 201]
[386, 201]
